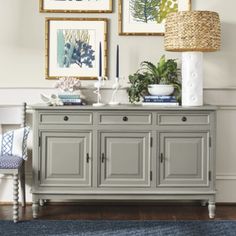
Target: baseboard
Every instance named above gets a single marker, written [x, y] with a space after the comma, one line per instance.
[89, 203]
[11, 203]
[226, 203]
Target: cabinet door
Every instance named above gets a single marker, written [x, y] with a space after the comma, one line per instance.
[184, 159]
[125, 159]
[65, 159]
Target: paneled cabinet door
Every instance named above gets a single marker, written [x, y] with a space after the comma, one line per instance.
[65, 159]
[184, 159]
[125, 159]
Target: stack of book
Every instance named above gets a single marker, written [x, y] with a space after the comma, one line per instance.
[70, 99]
[160, 101]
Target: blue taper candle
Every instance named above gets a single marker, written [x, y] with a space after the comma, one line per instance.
[100, 59]
[117, 62]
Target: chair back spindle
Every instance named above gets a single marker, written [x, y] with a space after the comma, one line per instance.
[23, 115]
[14, 165]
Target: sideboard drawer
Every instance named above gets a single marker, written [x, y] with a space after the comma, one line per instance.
[125, 118]
[66, 118]
[183, 119]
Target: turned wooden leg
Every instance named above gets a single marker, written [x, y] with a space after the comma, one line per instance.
[35, 208]
[41, 202]
[22, 184]
[211, 209]
[15, 198]
[203, 203]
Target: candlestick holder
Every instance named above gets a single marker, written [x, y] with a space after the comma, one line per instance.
[98, 84]
[116, 86]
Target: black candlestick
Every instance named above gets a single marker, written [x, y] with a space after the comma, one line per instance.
[100, 59]
[117, 62]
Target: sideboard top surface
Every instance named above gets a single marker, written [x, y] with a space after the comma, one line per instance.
[127, 107]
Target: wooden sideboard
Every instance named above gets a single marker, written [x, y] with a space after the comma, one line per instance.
[124, 153]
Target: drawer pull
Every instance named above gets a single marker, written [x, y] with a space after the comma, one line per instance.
[184, 119]
[66, 118]
[125, 118]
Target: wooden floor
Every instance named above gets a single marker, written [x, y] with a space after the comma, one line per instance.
[160, 211]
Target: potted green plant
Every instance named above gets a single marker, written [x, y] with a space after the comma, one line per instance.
[159, 79]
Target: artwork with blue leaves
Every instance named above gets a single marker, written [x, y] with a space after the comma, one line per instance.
[75, 48]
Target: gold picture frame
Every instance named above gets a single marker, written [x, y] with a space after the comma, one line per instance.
[75, 34]
[59, 9]
[142, 28]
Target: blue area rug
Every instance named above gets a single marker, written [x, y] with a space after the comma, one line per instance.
[120, 228]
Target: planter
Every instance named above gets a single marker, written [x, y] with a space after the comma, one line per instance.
[160, 89]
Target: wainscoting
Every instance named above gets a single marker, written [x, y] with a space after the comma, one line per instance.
[224, 98]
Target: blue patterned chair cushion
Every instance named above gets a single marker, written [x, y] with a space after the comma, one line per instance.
[14, 143]
[10, 162]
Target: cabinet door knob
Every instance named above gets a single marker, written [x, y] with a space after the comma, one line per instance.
[66, 118]
[87, 158]
[103, 157]
[161, 157]
[184, 118]
[125, 118]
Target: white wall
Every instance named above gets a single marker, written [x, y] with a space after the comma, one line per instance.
[22, 71]
[22, 44]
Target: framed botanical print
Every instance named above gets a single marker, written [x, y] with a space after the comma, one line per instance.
[147, 17]
[76, 47]
[76, 6]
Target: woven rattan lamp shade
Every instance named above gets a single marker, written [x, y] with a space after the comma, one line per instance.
[193, 31]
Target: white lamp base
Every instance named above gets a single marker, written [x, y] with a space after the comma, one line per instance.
[192, 79]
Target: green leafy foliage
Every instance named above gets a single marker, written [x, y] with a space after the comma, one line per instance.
[164, 72]
[152, 10]
[139, 84]
[144, 10]
[165, 7]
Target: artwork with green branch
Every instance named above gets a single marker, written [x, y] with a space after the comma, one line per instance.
[152, 10]
[147, 17]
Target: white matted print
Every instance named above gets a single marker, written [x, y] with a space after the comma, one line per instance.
[72, 47]
[76, 6]
[147, 17]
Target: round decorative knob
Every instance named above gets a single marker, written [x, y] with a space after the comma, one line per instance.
[66, 118]
[184, 119]
[125, 118]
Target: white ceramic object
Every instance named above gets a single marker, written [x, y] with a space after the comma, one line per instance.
[114, 101]
[192, 79]
[51, 100]
[160, 89]
[98, 84]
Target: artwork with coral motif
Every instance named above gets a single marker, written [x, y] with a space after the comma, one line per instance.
[73, 47]
[147, 17]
